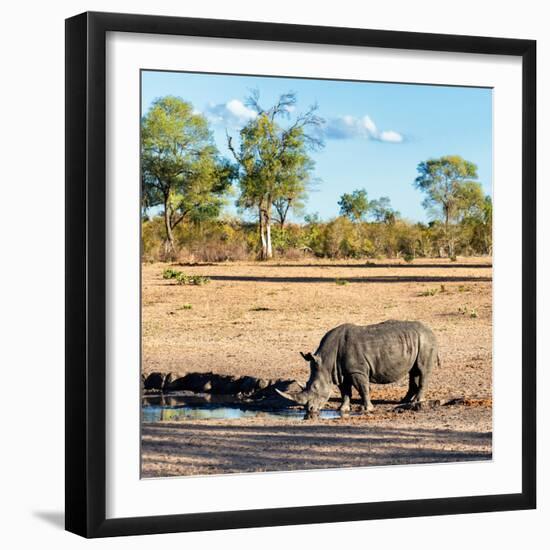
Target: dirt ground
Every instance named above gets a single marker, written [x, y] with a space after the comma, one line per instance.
[256, 445]
[254, 318]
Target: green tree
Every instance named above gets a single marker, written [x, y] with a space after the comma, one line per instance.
[293, 193]
[451, 191]
[274, 164]
[487, 224]
[354, 205]
[180, 167]
[382, 211]
[478, 225]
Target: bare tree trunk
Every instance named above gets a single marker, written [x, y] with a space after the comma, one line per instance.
[265, 233]
[267, 227]
[284, 214]
[450, 245]
[263, 251]
[269, 248]
[447, 236]
[169, 241]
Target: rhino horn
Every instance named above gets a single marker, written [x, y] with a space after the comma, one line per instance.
[300, 398]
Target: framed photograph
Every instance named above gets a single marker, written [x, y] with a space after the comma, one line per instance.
[300, 274]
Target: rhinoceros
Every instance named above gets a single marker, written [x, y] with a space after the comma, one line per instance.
[354, 356]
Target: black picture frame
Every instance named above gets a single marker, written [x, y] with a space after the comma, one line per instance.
[86, 278]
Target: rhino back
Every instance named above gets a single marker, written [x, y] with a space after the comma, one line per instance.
[387, 351]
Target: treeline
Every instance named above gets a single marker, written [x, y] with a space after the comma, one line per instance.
[185, 178]
[232, 239]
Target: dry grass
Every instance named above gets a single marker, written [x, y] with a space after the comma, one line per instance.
[253, 318]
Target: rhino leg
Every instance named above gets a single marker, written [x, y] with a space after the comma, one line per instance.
[362, 384]
[424, 364]
[345, 391]
[413, 385]
[421, 385]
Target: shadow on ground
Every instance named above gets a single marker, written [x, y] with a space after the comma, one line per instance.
[380, 279]
[386, 266]
[184, 449]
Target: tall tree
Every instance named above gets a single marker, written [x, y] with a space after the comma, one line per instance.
[354, 205]
[274, 164]
[381, 210]
[478, 223]
[293, 191]
[451, 190]
[180, 166]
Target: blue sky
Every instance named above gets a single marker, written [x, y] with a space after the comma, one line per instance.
[375, 133]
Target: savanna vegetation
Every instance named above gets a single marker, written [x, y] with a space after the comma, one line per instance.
[186, 183]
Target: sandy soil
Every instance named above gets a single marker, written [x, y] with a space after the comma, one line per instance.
[254, 318]
[256, 445]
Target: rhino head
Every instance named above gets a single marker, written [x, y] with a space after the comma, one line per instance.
[317, 390]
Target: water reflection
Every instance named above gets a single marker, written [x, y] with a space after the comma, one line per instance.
[185, 407]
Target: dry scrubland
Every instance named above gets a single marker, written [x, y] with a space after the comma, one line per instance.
[253, 318]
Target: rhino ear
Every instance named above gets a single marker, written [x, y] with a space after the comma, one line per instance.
[307, 356]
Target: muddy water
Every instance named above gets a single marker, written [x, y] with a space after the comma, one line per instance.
[200, 407]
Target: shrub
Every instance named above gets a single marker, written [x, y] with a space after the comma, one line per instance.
[429, 292]
[214, 251]
[183, 279]
[233, 239]
[295, 253]
[170, 273]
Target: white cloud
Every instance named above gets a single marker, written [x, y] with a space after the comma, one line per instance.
[369, 125]
[240, 110]
[349, 127]
[233, 114]
[391, 136]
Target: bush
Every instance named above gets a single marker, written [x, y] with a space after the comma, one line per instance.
[183, 279]
[233, 239]
[295, 253]
[213, 251]
[170, 273]
[429, 292]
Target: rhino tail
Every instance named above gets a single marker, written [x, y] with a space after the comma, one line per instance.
[438, 361]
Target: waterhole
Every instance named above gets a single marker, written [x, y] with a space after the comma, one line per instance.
[207, 407]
